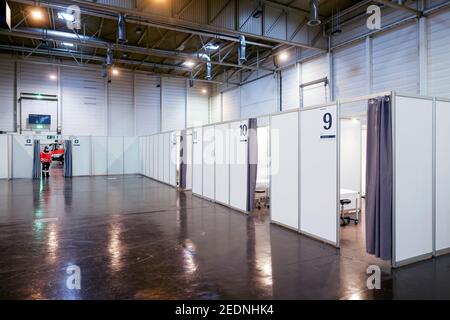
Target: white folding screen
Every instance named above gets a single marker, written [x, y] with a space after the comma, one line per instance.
[413, 179]
[4, 157]
[442, 174]
[238, 164]
[284, 137]
[130, 153]
[189, 159]
[99, 156]
[197, 161]
[222, 163]
[319, 173]
[115, 155]
[81, 156]
[208, 163]
[174, 156]
[22, 156]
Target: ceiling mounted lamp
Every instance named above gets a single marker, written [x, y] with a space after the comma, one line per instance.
[314, 19]
[121, 29]
[258, 12]
[138, 31]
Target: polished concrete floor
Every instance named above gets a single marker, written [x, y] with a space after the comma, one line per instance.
[134, 238]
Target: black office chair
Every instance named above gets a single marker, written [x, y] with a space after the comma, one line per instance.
[344, 221]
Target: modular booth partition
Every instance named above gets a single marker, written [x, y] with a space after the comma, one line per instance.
[159, 157]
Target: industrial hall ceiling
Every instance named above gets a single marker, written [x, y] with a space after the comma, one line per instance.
[197, 39]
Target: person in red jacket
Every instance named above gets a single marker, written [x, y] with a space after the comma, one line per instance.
[46, 160]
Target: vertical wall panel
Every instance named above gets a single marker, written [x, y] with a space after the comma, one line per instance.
[81, 157]
[7, 94]
[173, 103]
[396, 60]
[259, 97]
[208, 163]
[197, 106]
[121, 108]
[232, 104]
[35, 78]
[83, 102]
[349, 71]
[99, 155]
[197, 158]
[4, 156]
[290, 98]
[438, 51]
[130, 155]
[148, 100]
[115, 155]
[238, 166]
[222, 162]
[216, 108]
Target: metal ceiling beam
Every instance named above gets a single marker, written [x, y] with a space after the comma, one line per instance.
[171, 23]
[394, 5]
[51, 35]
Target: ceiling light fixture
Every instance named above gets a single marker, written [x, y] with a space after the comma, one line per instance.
[189, 64]
[284, 56]
[314, 19]
[37, 14]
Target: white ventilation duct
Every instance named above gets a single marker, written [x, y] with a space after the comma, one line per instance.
[206, 57]
[121, 29]
[314, 19]
[109, 57]
[242, 56]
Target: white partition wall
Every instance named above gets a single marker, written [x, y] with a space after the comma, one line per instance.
[413, 179]
[130, 153]
[319, 173]
[22, 157]
[99, 156]
[155, 157]
[160, 155]
[208, 163]
[222, 163]
[167, 144]
[115, 155]
[442, 174]
[189, 159]
[174, 158]
[150, 149]
[197, 161]
[81, 156]
[4, 157]
[238, 164]
[284, 199]
[350, 154]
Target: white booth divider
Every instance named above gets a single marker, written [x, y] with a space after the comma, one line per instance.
[141, 155]
[115, 155]
[208, 163]
[160, 155]
[155, 157]
[130, 153]
[284, 154]
[350, 154]
[22, 156]
[197, 161]
[442, 174]
[319, 173]
[81, 156]
[99, 156]
[150, 150]
[222, 163]
[4, 156]
[239, 165]
[167, 144]
[174, 157]
[189, 159]
[413, 179]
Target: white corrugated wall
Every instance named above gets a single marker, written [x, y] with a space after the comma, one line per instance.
[349, 71]
[35, 78]
[290, 98]
[7, 80]
[198, 105]
[232, 104]
[312, 70]
[83, 102]
[439, 54]
[216, 108]
[173, 103]
[259, 97]
[396, 60]
[148, 100]
[121, 106]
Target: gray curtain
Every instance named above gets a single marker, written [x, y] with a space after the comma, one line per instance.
[183, 161]
[252, 163]
[68, 158]
[37, 159]
[379, 178]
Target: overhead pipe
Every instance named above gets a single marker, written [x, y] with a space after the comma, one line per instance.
[314, 19]
[242, 55]
[121, 29]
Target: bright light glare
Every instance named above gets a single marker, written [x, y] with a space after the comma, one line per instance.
[67, 44]
[189, 63]
[53, 77]
[37, 14]
[284, 56]
[66, 16]
[115, 72]
[204, 91]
